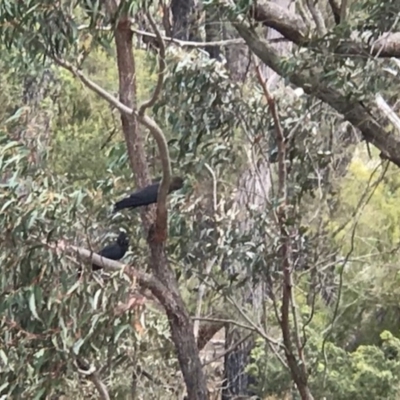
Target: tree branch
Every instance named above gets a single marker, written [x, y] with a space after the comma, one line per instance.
[353, 111]
[317, 17]
[91, 373]
[161, 59]
[181, 43]
[232, 348]
[335, 6]
[155, 130]
[158, 134]
[100, 386]
[143, 279]
[162, 212]
[292, 27]
[387, 111]
[94, 86]
[343, 11]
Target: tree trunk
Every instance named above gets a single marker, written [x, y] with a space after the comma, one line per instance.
[236, 380]
[254, 187]
[182, 11]
[213, 30]
[282, 47]
[180, 322]
[181, 327]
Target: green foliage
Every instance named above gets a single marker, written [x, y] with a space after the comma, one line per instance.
[365, 222]
[198, 105]
[85, 126]
[380, 16]
[47, 317]
[46, 314]
[335, 374]
[63, 189]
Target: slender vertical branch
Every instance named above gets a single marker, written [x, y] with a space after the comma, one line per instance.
[127, 92]
[210, 263]
[161, 68]
[317, 17]
[335, 6]
[214, 180]
[162, 213]
[297, 366]
[343, 11]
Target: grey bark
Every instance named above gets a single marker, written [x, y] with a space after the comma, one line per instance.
[254, 187]
[183, 21]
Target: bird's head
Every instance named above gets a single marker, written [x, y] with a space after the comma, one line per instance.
[123, 240]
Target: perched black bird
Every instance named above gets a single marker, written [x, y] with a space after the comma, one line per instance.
[147, 195]
[114, 251]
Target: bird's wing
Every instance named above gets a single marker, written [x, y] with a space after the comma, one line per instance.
[106, 250]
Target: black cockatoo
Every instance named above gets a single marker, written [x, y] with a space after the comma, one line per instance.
[114, 251]
[147, 195]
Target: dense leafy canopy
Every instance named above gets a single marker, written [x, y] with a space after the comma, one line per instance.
[63, 162]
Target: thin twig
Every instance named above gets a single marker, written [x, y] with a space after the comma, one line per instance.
[251, 327]
[210, 264]
[186, 43]
[269, 340]
[108, 140]
[90, 372]
[156, 131]
[256, 328]
[182, 43]
[161, 60]
[214, 179]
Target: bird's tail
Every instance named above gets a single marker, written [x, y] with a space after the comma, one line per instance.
[124, 203]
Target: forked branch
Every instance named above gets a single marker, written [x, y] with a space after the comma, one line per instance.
[143, 279]
[158, 134]
[161, 66]
[159, 137]
[147, 121]
[93, 86]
